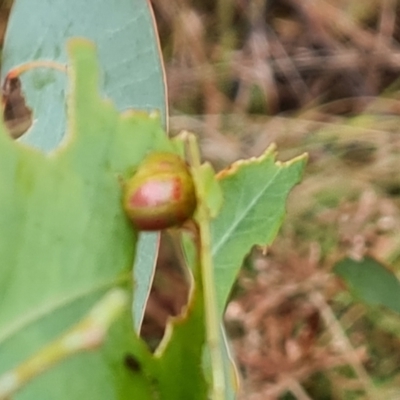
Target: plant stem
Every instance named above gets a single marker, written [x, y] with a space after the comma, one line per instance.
[86, 335]
[208, 280]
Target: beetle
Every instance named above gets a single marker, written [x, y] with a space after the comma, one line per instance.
[161, 194]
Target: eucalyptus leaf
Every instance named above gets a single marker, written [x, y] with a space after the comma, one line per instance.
[132, 75]
[127, 46]
[66, 239]
[255, 193]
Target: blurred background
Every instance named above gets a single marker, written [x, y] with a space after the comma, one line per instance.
[315, 76]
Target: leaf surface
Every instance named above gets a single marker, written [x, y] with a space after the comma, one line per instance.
[66, 239]
[132, 75]
[180, 354]
[127, 47]
[255, 193]
[370, 281]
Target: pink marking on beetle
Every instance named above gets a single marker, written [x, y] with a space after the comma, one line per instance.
[155, 193]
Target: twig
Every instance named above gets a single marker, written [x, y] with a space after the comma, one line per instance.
[284, 64]
[298, 390]
[343, 343]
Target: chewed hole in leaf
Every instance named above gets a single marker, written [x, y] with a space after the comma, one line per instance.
[17, 116]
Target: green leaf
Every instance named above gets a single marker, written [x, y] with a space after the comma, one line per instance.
[370, 281]
[132, 75]
[180, 354]
[115, 360]
[255, 193]
[143, 274]
[128, 51]
[66, 240]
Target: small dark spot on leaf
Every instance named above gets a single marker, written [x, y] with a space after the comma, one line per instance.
[132, 363]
